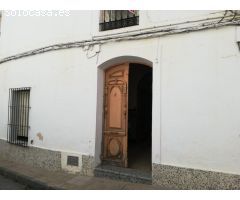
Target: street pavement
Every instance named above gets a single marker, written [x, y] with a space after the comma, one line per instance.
[8, 184]
[39, 178]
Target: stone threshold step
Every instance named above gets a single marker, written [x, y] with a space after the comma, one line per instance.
[123, 174]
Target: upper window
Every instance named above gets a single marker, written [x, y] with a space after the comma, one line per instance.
[114, 19]
[18, 112]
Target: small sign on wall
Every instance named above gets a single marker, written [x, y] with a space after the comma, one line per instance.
[72, 161]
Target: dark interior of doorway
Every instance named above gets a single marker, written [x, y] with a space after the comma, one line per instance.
[140, 117]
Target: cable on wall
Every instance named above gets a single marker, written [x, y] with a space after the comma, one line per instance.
[230, 18]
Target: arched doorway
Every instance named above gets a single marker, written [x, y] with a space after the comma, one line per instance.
[127, 116]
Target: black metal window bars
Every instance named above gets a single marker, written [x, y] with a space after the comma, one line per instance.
[114, 19]
[18, 116]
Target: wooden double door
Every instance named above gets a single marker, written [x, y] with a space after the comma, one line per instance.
[115, 133]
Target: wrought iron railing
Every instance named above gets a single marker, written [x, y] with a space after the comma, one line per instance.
[18, 116]
[114, 19]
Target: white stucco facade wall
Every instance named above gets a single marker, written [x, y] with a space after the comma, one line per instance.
[196, 110]
[199, 101]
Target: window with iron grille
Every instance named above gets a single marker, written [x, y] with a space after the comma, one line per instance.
[18, 116]
[114, 19]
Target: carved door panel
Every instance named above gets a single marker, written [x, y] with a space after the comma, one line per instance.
[115, 136]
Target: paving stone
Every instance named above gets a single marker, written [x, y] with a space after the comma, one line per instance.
[8, 184]
[39, 178]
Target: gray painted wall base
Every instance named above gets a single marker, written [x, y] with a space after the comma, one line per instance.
[172, 177]
[42, 158]
[87, 165]
[32, 156]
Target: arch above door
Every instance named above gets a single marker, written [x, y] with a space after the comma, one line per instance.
[124, 59]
